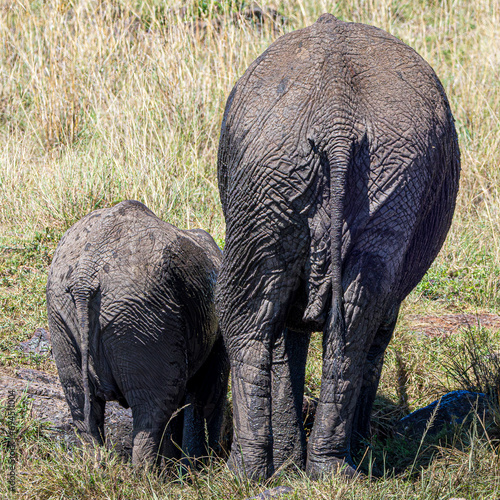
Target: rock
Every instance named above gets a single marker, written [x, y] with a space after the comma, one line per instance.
[454, 409]
[272, 493]
[36, 376]
[47, 404]
[39, 344]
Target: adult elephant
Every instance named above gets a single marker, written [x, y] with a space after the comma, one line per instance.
[338, 173]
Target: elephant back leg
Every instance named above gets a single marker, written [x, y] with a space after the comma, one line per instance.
[149, 364]
[254, 290]
[371, 377]
[288, 374]
[153, 432]
[171, 439]
[345, 352]
[66, 348]
[206, 403]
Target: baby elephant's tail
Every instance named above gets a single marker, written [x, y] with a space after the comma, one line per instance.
[82, 307]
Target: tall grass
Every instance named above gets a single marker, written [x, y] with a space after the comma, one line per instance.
[103, 101]
[106, 101]
[46, 469]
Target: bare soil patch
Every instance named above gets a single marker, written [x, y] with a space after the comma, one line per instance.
[447, 324]
[48, 405]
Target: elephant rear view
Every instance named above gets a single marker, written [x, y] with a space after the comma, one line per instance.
[131, 311]
[338, 173]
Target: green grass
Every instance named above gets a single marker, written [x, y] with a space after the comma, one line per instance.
[23, 275]
[106, 101]
[469, 470]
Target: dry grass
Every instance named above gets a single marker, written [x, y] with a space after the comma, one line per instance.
[105, 103]
[102, 101]
[47, 470]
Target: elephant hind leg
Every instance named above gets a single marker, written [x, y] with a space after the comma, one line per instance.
[344, 358]
[68, 360]
[154, 401]
[251, 361]
[251, 451]
[255, 288]
[371, 378]
[171, 440]
[152, 434]
[288, 374]
[206, 400]
[155, 423]
[149, 365]
[146, 435]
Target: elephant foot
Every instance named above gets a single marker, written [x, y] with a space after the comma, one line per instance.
[145, 452]
[316, 469]
[246, 469]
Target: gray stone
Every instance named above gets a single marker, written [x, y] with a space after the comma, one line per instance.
[39, 344]
[454, 409]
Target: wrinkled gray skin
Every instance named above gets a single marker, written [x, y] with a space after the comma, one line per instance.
[338, 173]
[130, 300]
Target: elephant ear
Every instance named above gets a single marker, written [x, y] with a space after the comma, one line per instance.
[208, 244]
[327, 18]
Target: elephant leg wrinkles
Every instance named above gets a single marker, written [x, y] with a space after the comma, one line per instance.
[149, 425]
[249, 339]
[171, 440]
[206, 398]
[287, 378]
[344, 357]
[371, 378]
[151, 414]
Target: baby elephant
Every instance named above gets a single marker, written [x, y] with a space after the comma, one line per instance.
[130, 302]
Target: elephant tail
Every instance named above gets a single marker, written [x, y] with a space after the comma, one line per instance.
[82, 307]
[324, 277]
[84, 287]
[339, 162]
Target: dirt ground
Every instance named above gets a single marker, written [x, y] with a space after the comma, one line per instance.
[49, 404]
[445, 325]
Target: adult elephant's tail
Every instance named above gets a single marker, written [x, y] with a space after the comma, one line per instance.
[324, 277]
[325, 451]
[339, 161]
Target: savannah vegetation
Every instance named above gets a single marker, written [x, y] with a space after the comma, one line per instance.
[102, 101]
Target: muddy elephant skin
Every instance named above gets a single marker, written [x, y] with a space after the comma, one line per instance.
[338, 173]
[131, 313]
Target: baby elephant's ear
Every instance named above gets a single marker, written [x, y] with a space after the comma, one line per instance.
[204, 239]
[200, 233]
[327, 18]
